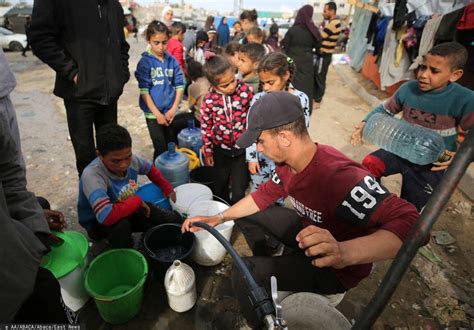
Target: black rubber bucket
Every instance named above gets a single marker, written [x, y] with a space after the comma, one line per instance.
[204, 175]
[165, 243]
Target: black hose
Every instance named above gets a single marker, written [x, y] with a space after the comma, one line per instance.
[237, 259]
[259, 298]
[418, 234]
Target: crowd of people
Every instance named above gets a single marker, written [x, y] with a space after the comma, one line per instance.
[252, 96]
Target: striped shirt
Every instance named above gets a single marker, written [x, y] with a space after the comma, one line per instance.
[330, 36]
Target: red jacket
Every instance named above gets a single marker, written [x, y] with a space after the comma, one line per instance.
[175, 49]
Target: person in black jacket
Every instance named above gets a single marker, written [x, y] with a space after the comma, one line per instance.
[83, 41]
[299, 43]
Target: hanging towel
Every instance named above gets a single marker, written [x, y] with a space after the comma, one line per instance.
[389, 73]
[427, 40]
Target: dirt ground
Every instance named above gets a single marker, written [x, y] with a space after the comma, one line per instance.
[436, 292]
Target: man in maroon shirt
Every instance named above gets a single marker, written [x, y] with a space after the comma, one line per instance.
[342, 218]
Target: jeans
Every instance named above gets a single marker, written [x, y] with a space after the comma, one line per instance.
[82, 118]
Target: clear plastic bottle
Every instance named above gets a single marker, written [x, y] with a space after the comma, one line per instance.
[417, 144]
[174, 165]
[190, 137]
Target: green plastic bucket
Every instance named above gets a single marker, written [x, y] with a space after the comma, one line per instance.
[115, 280]
[67, 255]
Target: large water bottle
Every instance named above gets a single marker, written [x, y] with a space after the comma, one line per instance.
[180, 286]
[174, 165]
[190, 137]
[417, 144]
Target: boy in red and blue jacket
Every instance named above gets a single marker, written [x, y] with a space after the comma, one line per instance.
[108, 206]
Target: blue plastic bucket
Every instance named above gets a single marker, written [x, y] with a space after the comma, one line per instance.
[151, 193]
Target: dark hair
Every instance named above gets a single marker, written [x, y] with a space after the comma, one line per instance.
[195, 70]
[297, 127]
[156, 27]
[177, 27]
[331, 5]
[216, 66]
[112, 137]
[273, 29]
[209, 22]
[257, 32]
[201, 36]
[232, 47]
[278, 63]
[254, 51]
[456, 54]
[250, 15]
[237, 22]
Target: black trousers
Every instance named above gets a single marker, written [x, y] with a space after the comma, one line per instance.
[45, 304]
[160, 136]
[320, 72]
[82, 118]
[230, 169]
[293, 270]
[119, 235]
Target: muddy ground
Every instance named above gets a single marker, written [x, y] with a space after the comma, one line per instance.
[436, 291]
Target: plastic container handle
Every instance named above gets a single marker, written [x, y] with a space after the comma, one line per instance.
[104, 299]
[221, 199]
[171, 274]
[151, 254]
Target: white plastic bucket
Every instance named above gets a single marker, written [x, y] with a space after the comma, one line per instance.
[72, 288]
[189, 193]
[207, 250]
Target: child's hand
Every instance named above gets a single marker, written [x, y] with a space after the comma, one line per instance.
[160, 119]
[209, 160]
[146, 209]
[441, 166]
[254, 167]
[172, 196]
[55, 219]
[170, 115]
[356, 137]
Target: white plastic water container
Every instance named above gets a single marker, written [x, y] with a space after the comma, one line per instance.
[189, 193]
[208, 251]
[73, 292]
[180, 286]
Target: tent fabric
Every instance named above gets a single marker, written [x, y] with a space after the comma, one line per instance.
[370, 70]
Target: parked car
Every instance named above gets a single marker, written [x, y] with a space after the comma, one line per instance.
[12, 41]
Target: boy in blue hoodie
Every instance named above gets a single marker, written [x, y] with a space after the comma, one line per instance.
[161, 83]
